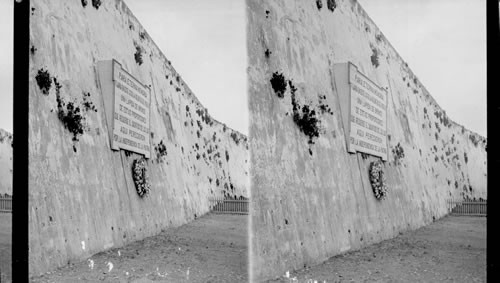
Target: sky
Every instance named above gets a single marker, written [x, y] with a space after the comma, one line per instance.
[6, 64]
[206, 43]
[444, 44]
[443, 41]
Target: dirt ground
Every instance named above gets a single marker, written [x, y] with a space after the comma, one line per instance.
[5, 247]
[452, 249]
[212, 248]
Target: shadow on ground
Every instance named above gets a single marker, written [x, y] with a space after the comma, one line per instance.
[212, 248]
[452, 249]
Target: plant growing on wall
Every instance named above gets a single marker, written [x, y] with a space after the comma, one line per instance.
[279, 84]
[331, 5]
[307, 122]
[72, 119]
[305, 118]
[267, 53]
[377, 180]
[374, 57]
[473, 139]
[138, 54]
[319, 4]
[87, 104]
[437, 127]
[398, 153]
[72, 115]
[235, 138]
[43, 80]
[446, 122]
[140, 176]
[160, 150]
[96, 3]
[323, 106]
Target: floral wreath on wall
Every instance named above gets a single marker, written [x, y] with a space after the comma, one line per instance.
[377, 180]
[140, 175]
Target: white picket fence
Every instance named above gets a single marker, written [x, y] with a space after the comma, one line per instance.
[468, 207]
[229, 206]
[5, 204]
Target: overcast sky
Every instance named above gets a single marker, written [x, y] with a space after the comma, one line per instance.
[443, 41]
[206, 42]
[6, 66]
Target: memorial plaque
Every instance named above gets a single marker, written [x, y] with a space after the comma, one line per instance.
[368, 115]
[364, 111]
[131, 113]
[127, 103]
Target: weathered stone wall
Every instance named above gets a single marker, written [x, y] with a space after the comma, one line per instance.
[82, 198]
[313, 201]
[5, 163]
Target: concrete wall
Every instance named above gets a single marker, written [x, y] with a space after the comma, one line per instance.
[82, 198]
[311, 202]
[5, 162]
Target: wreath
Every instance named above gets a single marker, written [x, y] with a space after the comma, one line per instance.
[377, 180]
[139, 172]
